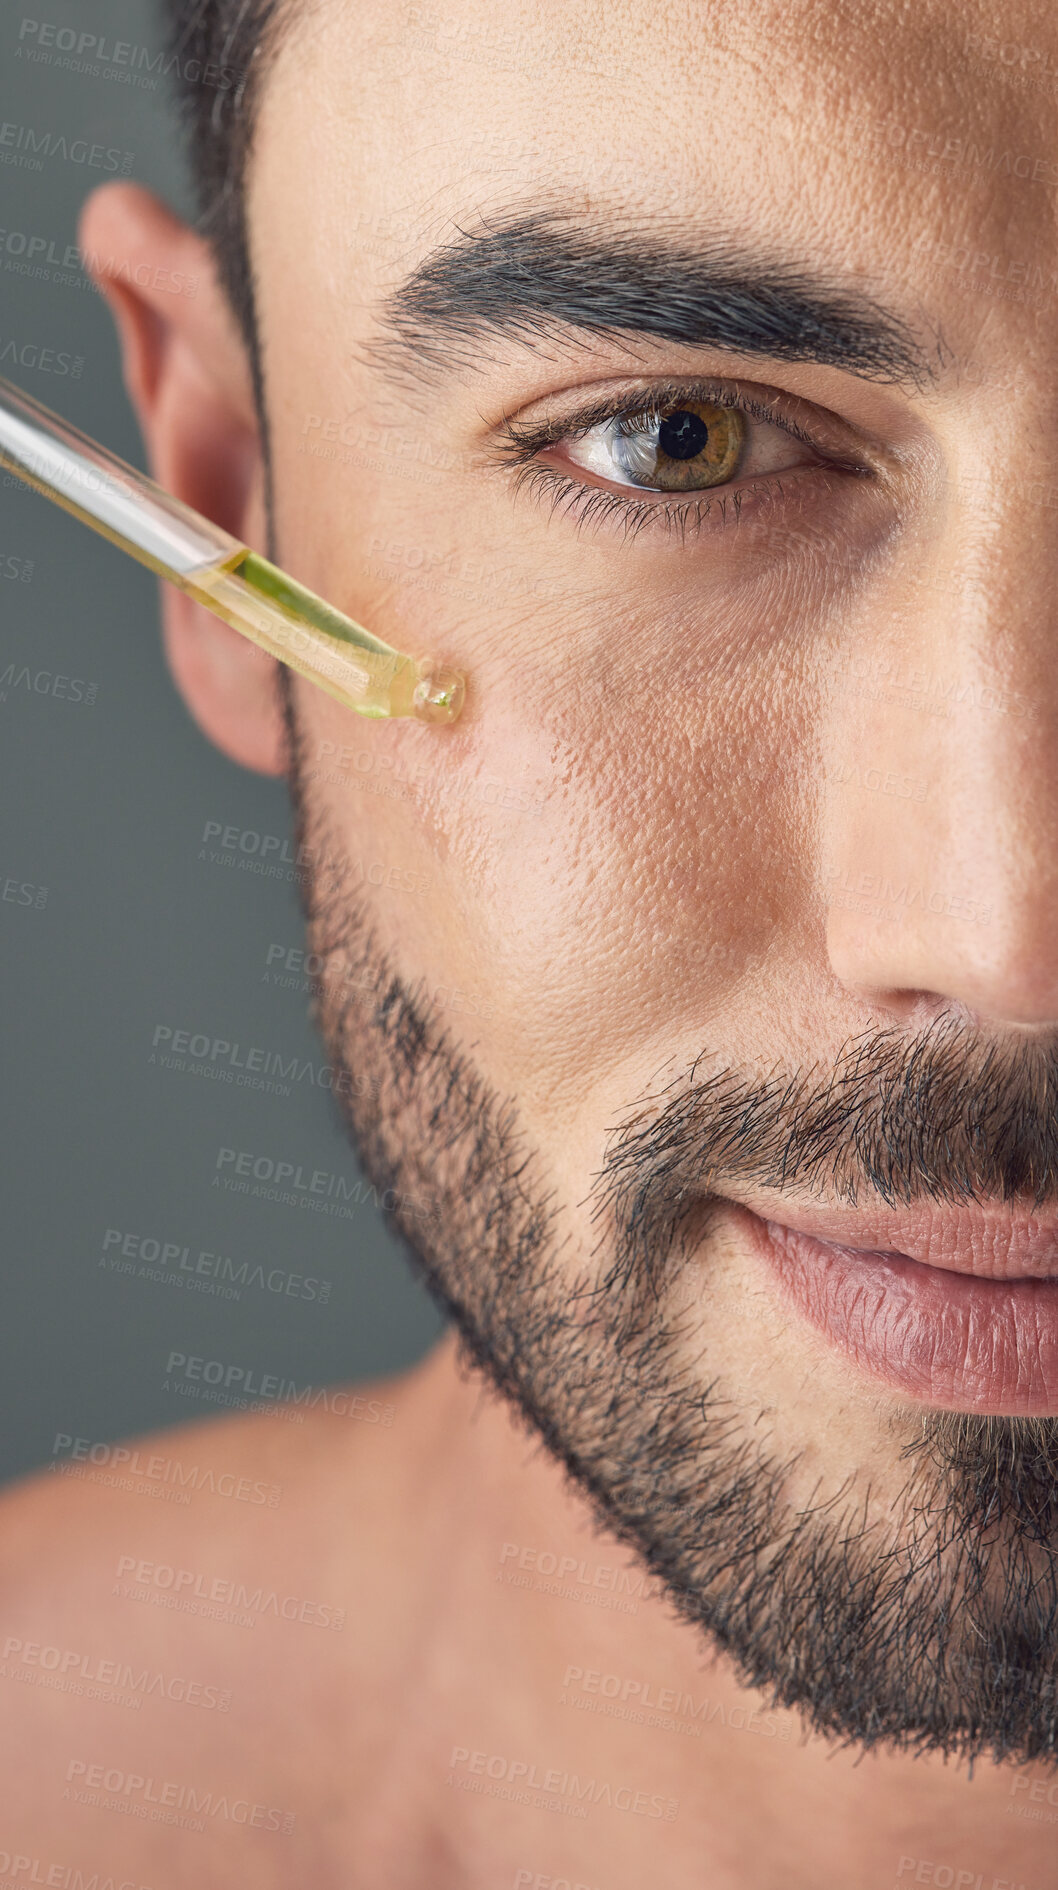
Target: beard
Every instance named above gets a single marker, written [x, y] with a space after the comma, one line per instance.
[925, 1623]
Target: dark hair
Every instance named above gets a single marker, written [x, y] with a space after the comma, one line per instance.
[219, 51]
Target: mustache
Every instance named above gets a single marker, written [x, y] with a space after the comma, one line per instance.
[942, 1116]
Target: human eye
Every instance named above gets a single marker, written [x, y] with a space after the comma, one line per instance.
[657, 456]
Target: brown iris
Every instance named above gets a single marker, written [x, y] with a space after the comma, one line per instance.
[684, 448]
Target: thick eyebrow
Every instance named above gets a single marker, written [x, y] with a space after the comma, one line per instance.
[530, 276]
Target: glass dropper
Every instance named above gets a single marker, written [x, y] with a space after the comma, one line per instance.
[254, 596]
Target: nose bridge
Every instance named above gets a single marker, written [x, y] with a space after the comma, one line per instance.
[940, 824]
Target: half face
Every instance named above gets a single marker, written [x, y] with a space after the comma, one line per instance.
[685, 378]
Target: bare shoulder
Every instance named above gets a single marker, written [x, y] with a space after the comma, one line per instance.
[258, 1480]
[171, 1606]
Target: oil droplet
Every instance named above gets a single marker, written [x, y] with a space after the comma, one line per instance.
[439, 695]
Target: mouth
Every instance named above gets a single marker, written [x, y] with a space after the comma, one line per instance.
[956, 1308]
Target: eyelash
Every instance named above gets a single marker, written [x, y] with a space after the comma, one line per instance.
[594, 505]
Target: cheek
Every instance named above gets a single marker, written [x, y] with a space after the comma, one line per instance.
[590, 889]
[582, 868]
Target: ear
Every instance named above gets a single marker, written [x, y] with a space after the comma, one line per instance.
[188, 377]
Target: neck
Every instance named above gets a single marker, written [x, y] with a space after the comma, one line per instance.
[550, 1676]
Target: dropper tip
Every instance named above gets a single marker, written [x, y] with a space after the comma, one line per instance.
[439, 695]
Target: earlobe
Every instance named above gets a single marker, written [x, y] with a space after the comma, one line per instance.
[188, 377]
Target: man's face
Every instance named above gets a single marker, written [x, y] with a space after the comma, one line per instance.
[735, 882]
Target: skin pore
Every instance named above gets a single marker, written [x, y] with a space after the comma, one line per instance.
[697, 743]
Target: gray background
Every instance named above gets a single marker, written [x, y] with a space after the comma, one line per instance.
[105, 804]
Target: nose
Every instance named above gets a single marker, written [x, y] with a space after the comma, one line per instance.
[940, 829]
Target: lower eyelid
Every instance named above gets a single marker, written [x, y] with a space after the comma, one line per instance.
[742, 502]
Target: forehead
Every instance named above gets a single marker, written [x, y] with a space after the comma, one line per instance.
[910, 147]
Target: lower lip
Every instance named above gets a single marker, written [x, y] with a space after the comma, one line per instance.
[951, 1341]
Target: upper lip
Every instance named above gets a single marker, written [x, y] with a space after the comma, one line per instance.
[994, 1241]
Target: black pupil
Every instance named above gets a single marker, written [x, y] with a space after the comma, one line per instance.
[683, 435]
